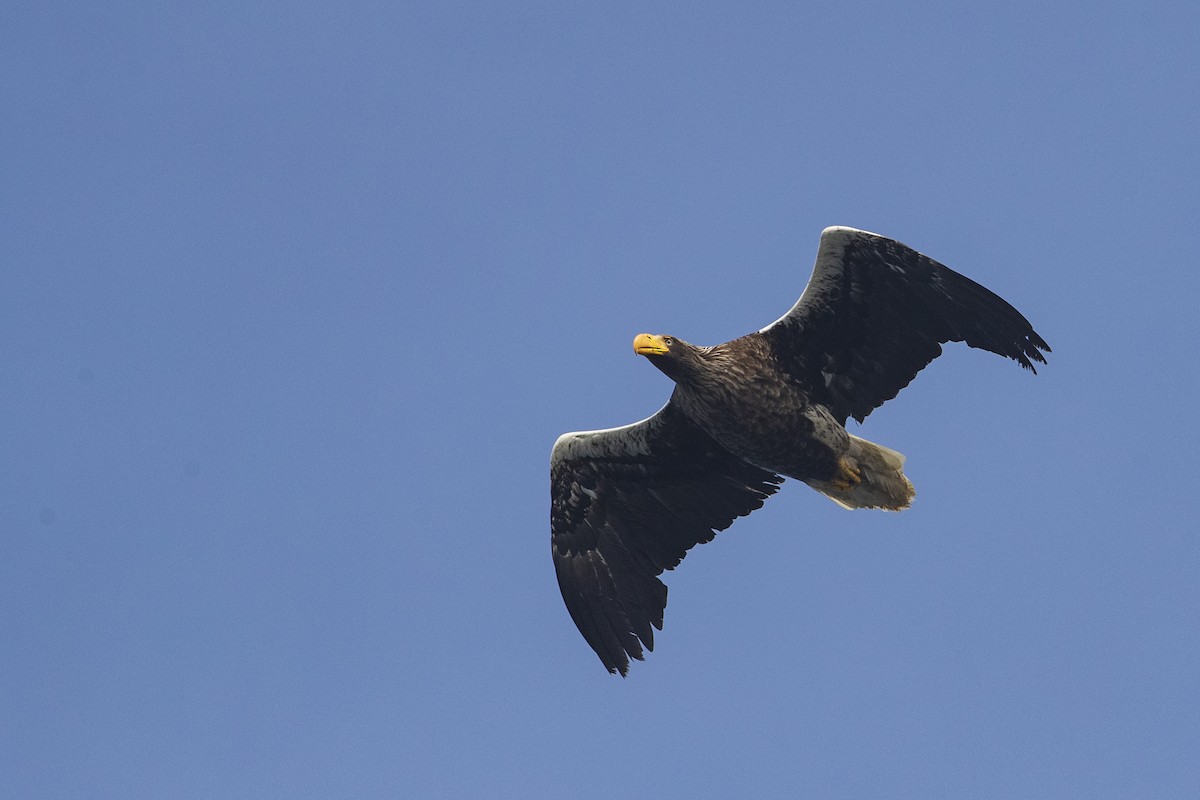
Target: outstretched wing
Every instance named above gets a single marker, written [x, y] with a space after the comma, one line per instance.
[875, 312]
[627, 503]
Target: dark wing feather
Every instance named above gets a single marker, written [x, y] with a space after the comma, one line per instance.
[875, 312]
[626, 504]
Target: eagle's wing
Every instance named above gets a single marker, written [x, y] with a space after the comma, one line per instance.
[875, 312]
[627, 503]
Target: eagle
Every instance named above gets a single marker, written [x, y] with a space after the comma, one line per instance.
[629, 502]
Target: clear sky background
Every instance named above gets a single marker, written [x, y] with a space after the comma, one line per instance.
[295, 299]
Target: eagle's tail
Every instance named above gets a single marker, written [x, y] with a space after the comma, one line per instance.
[869, 476]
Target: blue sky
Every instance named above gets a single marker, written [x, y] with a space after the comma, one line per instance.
[295, 298]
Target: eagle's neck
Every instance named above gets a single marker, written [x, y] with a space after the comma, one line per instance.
[718, 380]
[708, 380]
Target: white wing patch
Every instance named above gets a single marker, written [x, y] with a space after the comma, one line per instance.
[830, 260]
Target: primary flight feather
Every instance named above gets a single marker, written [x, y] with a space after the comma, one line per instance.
[628, 503]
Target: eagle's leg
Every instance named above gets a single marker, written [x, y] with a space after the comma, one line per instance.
[846, 476]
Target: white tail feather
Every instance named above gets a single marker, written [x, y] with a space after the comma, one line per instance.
[882, 485]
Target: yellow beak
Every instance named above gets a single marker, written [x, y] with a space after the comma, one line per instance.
[647, 344]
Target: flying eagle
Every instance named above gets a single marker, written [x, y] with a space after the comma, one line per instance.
[629, 502]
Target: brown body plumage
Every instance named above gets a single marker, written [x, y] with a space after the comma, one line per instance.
[736, 393]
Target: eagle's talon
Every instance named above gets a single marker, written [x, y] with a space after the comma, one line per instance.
[847, 476]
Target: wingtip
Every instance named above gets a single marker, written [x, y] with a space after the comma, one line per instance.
[1035, 350]
[620, 666]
